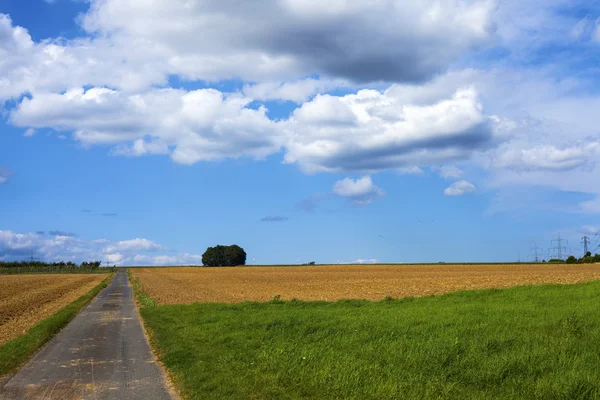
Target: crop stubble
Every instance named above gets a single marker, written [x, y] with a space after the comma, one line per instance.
[27, 299]
[373, 282]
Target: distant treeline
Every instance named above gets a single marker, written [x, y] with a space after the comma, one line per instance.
[27, 267]
[586, 259]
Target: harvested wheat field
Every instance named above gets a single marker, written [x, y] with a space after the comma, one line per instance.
[371, 282]
[27, 299]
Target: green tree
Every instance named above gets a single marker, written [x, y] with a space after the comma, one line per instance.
[571, 260]
[214, 256]
[235, 255]
[220, 256]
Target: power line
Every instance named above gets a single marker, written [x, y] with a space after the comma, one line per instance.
[535, 253]
[32, 258]
[585, 241]
[558, 250]
[594, 238]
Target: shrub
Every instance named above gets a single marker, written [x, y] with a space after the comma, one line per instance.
[221, 256]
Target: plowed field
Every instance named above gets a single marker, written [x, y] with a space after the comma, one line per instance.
[27, 299]
[372, 282]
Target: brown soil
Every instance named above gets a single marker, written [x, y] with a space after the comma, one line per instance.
[27, 299]
[372, 282]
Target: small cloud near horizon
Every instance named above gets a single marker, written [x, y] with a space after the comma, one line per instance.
[274, 219]
[109, 214]
[61, 233]
[364, 261]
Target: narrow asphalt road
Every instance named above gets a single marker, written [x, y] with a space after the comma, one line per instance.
[102, 354]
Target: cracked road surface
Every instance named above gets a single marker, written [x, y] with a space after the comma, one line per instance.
[102, 354]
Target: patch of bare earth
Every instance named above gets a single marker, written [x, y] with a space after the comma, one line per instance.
[372, 282]
[25, 300]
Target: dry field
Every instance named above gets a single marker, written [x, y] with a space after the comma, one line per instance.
[27, 299]
[372, 282]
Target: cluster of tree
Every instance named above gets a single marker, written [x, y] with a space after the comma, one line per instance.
[16, 267]
[587, 259]
[224, 256]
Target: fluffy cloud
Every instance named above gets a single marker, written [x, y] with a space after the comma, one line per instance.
[459, 188]
[361, 191]
[162, 260]
[450, 171]
[291, 37]
[548, 157]
[364, 261]
[135, 45]
[296, 91]
[539, 124]
[56, 65]
[17, 246]
[133, 245]
[190, 126]
[372, 130]
[367, 131]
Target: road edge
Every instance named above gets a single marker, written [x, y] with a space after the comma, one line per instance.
[143, 300]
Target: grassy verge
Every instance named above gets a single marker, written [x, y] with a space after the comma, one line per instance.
[518, 343]
[142, 298]
[16, 352]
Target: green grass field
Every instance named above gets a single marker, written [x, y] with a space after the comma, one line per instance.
[539, 342]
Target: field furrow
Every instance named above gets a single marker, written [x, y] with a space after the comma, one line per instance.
[27, 299]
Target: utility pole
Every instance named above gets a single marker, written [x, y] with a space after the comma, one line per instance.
[32, 258]
[559, 249]
[534, 253]
[585, 241]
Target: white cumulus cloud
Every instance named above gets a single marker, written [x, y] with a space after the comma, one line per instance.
[361, 191]
[372, 130]
[199, 125]
[450, 171]
[459, 188]
[18, 246]
[133, 245]
[364, 261]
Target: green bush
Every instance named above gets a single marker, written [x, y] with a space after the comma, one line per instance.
[222, 256]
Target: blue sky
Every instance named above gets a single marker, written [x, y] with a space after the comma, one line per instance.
[144, 132]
